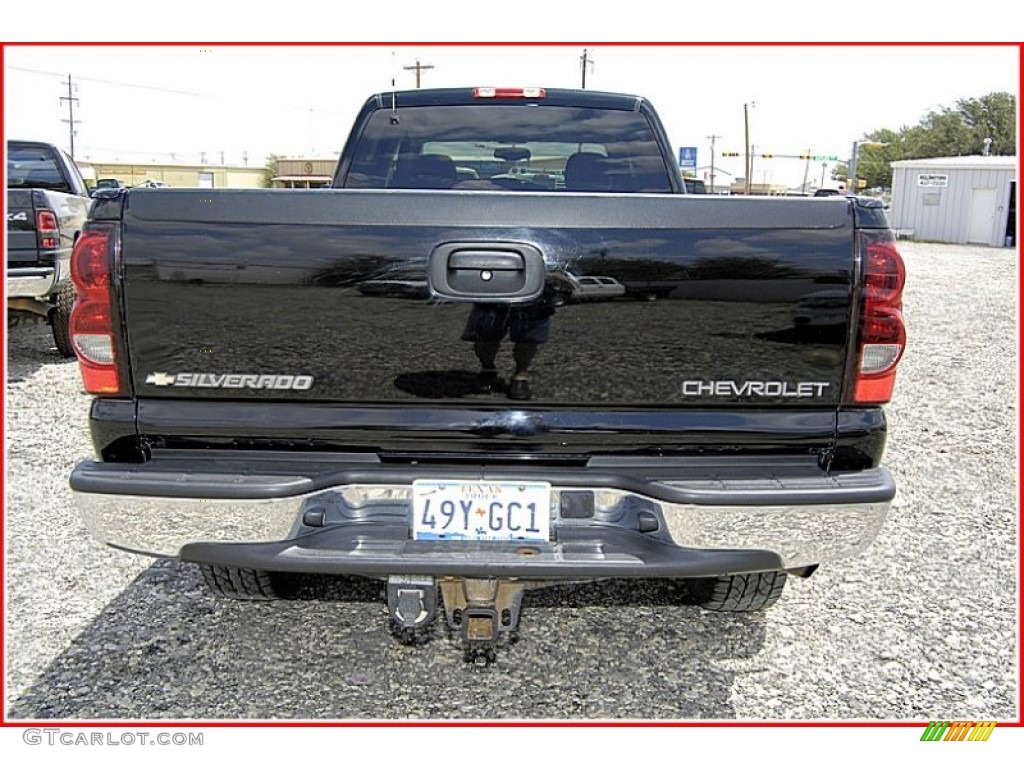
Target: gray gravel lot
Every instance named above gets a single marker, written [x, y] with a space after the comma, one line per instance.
[921, 627]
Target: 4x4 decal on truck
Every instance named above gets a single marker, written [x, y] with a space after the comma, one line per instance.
[229, 380]
[758, 388]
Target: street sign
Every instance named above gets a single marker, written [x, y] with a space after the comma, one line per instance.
[688, 158]
[826, 157]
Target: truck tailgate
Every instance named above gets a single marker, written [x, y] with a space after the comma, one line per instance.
[319, 302]
[752, 297]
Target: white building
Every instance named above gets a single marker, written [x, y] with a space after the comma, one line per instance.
[956, 199]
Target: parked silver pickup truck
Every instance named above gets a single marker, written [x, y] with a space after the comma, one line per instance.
[47, 204]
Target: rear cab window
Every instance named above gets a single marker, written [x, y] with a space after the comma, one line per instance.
[34, 167]
[525, 148]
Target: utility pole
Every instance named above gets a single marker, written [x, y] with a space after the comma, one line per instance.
[584, 60]
[713, 137]
[750, 171]
[71, 100]
[807, 168]
[852, 169]
[823, 167]
[747, 165]
[868, 144]
[419, 68]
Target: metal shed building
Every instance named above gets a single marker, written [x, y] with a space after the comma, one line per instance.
[969, 199]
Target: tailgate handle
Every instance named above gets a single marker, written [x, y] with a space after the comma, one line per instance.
[502, 260]
[498, 272]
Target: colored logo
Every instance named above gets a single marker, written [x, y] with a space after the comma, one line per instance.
[958, 730]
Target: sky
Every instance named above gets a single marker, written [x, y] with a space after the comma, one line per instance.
[169, 104]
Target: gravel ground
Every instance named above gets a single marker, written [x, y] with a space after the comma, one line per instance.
[922, 626]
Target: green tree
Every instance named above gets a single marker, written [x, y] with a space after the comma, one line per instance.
[992, 116]
[271, 170]
[962, 130]
[939, 134]
[947, 132]
[874, 163]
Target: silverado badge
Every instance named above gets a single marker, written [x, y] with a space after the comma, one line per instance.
[229, 380]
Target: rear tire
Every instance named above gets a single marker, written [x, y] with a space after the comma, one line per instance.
[741, 593]
[61, 320]
[241, 583]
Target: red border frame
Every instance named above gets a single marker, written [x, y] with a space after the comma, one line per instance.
[5, 723]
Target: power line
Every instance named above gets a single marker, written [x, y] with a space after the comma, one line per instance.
[176, 92]
[71, 100]
[119, 83]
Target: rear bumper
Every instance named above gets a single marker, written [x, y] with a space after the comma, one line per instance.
[31, 282]
[692, 519]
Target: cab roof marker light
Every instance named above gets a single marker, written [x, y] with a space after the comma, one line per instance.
[509, 93]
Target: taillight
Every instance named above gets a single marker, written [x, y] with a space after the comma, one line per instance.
[509, 93]
[47, 231]
[882, 334]
[92, 318]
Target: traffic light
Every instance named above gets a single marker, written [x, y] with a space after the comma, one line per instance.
[730, 154]
[767, 157]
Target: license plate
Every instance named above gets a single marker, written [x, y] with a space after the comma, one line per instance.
[481, 511]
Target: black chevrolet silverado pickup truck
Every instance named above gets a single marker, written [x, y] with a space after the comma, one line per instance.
[47, 205]
[384, 379]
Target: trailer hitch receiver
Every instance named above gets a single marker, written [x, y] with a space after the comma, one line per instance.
[484, 612]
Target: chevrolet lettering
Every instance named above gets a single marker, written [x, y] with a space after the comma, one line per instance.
[755, 388]
[506, 350]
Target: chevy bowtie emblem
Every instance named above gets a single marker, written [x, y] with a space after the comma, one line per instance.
[160, 379]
